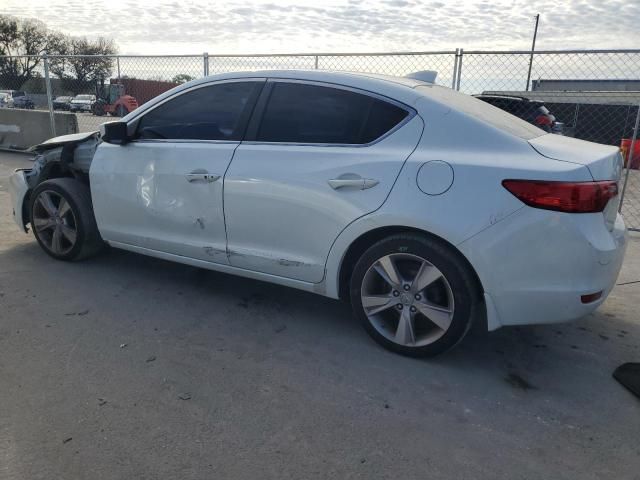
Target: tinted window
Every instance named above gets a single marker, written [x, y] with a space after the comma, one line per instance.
[18, 94]
[301, 113]
[207, 113]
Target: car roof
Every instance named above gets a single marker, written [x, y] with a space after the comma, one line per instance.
[398, 88]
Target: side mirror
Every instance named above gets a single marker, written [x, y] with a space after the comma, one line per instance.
[114, 132]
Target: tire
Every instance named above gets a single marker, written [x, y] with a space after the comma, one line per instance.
[98, 109]
[402, 316]
[121, 111]
[54, 230]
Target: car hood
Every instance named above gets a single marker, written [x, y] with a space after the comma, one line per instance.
[63, 139]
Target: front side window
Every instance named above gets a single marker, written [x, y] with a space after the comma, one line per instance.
[209, 113]
[302, 113]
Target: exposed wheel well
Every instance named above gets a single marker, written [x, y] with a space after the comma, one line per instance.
[50, 171]
[362, 243]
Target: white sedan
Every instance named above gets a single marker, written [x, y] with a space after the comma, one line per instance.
[426, 208]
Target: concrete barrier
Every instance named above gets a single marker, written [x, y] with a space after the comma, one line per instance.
[21, 129]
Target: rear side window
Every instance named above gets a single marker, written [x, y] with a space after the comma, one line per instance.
[214, 112]
[301, 113]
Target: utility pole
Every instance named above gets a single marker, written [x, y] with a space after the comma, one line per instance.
[533, 47]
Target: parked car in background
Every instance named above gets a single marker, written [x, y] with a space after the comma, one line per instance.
[532, 111]
[82, 103]
[62, 103]
[4, 99]
[424, 207]
[16, 99]
[23, 102]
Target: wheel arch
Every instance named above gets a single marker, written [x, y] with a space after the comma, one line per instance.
[361, 243]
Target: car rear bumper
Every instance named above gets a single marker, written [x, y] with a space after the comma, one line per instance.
[536, 265]
[18, 189]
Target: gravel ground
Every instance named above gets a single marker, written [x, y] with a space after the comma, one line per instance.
[132, 367]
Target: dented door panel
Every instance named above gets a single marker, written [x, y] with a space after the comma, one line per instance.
[163, 196]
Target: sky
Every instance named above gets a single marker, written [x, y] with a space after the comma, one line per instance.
[288, 26]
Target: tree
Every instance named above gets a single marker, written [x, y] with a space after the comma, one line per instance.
[19, 38]
[182, 78]
[89, 61]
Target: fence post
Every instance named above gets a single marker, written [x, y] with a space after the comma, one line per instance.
[205, 63]
[316, 62]
[459, 70]
[47, 82]
[630, 158]
[455, 69]
[118, 62]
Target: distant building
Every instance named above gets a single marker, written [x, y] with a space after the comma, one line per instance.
[586, 85]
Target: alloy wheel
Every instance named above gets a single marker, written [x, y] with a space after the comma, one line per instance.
[54, 222]
[407, 299]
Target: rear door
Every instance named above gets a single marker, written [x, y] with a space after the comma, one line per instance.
[316, 157]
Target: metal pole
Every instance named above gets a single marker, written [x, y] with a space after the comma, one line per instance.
[455, 70]
[316, 62]
[47, 82]
[206, 63]
[533, 47]
[630, 157]
[459, 70]
[118, 62]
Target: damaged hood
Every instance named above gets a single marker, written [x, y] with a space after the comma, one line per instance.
[62, 140]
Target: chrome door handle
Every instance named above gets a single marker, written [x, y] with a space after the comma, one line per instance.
[201, 177]
[359, 183]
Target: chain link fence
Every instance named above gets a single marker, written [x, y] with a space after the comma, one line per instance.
[591, 95]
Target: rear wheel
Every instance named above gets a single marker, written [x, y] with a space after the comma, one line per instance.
[62, 219]
[414, 295]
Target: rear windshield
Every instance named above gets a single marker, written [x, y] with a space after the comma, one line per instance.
[482, 111]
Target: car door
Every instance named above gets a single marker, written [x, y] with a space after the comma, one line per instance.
[316, 157]
[163, 190]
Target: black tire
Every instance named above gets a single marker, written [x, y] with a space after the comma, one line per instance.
[462, 281]
[98, 109]
[87, 241]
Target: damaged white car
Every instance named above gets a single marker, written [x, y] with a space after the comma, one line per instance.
[426, 208]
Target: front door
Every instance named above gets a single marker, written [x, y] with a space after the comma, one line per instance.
[163, 190]
[320, 158]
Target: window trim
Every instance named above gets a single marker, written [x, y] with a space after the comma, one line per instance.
[245, 116]
[263, 101]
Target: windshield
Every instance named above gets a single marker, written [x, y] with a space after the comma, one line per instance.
[482, 111]
[84, 97]
[61, 99]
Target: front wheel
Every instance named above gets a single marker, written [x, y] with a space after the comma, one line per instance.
[62, 219]
[414, 295]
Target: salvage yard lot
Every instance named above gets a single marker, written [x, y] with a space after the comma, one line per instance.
[132, 367]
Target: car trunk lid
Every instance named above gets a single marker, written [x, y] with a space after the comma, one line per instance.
[603, 161]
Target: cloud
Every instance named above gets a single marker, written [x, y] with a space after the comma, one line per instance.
[166, 26]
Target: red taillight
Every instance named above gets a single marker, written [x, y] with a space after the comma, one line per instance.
[592, 297]
[570, 197]
[544, 120]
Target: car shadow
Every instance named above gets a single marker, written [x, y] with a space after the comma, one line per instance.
[521, 359]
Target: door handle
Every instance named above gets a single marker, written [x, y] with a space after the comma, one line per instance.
[201, 177]
[359, 183]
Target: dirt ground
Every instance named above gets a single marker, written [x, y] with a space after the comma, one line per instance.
[131, 367]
